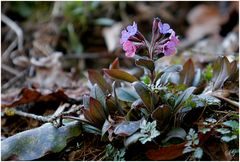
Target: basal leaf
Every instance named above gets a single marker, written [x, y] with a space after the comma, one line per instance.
[162, 115]
[36, 143]
[175, 133]
[96, 78]
[188, 72]
[183, 97]
[127, 128]
[145, 94]
[146, 63]
[98, 94]
[126, 94]
[120, 74]
[221, 71]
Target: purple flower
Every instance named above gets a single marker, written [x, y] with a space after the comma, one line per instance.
[130, 31]
[174, 38]
[164, 28]
[169, 48]
[129, 48]
[125, 36]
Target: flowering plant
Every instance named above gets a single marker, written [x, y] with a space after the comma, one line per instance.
[164, 41]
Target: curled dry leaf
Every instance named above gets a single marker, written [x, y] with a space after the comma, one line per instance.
[166, 153]
[26, 96]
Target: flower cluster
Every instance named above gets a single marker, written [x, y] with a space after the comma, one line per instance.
[164, 40]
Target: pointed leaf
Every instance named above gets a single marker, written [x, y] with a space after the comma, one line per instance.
[98, 94]
[132, 139]
[96, 78]
[221, 71]
[115, 64]
[127, 94]
[188, 72]
[162, 115]
[146, 63]
[183, 97]
[127, 128]
[144, 93]
[96, 110]
[35, 143]
[121, 75]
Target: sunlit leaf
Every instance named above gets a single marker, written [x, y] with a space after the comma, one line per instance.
[120, 74]
[126, 94]
[127, 128]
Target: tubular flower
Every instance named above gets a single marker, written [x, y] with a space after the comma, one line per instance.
[130, 31]
[164, 28]
[129, 48]
[174, 38]
[169, 48]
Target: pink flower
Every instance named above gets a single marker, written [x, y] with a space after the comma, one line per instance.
[169, 48]
[129, 48]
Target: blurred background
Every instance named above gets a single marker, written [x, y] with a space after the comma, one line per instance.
[83, 35]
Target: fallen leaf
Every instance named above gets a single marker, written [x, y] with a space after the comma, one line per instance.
[26, 96]
[166, 153]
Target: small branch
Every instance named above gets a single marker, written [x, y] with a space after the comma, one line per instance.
[15, 28]
[13, 80]
[9, 49]
[10, 70]
[59, 114]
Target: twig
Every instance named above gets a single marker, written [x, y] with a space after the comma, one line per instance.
[9, 50]
[234, 103]
[13, 80]
[10, 70]
[59, 114]
[15, 28]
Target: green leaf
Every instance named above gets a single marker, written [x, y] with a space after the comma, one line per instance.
[146, 63]
[162, 115]
[144, 93]
[228, 138]
[175, 133]
[197, 78]
[183, 97]
[126, 94]
[223, 130]
[121, 75]
[221, 71]
[132, 139]
[232, 123]
[188, 72]
[127, 128]
[198, 153]
[35, 143]
[96, 78]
